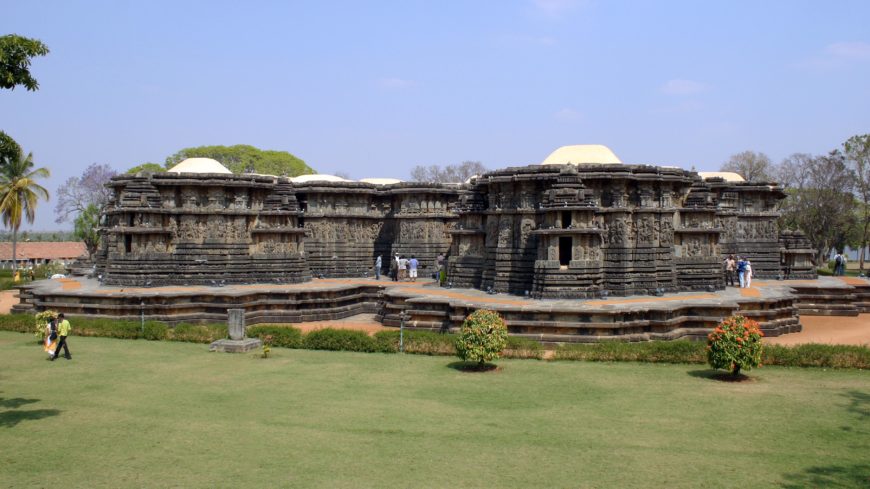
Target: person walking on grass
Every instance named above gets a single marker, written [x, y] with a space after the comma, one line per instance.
[63, 329]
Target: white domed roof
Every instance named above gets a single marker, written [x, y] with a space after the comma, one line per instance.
[318, 178]
[581, 153]
[381, 181]
[728, 176]
[199, 165]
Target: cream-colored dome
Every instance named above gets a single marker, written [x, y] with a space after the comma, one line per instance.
[728, 176]
[318, 178]
[199, 165]
[582, 153]
[381, 181]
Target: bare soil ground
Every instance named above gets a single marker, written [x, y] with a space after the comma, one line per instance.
[8, 298]
[830, 330]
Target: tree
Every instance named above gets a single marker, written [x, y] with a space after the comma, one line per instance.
[448, 174]
[242, 158]
[8, 147]
[77, 193]
[19, 193]
[15, 56]
[820, 200]
[149, 167]
[86, 228]
[754, 167]
[857, 152]
[482, 338]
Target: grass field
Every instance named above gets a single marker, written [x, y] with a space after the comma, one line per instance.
[161, 414]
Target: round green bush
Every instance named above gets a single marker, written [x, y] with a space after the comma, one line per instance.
[482, 338]
[735, 345]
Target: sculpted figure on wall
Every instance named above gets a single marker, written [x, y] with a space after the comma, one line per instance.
[504, 232]
[666, 238]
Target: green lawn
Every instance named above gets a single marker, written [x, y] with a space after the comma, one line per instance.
[162, 414]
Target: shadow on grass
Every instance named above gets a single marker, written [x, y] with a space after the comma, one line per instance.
[832, 476]
[719, 375]
[8, 419]
[859, 404]
[16, 402]
[472, 367]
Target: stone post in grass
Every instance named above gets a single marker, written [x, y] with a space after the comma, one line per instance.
[237, 342]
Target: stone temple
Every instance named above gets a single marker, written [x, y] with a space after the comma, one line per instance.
[582, 224]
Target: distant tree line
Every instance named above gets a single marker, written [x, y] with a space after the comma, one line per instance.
[447, 174]
[828, 196]
[239, 159]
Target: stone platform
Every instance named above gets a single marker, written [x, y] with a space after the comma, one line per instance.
[777, 305]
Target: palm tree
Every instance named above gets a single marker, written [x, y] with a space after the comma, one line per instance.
[19, 193]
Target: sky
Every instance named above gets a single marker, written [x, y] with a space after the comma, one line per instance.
[374, 88]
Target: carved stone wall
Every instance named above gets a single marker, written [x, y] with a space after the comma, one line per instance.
[559, 231]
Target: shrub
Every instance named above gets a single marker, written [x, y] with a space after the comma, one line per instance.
[155, 330]
[523, 348]
[680, 351]
[22, 323]
[482, 338]
[422, 342]
[735, 344]
[339, 340]
[198, 333]
[282, 336]
[41, 319]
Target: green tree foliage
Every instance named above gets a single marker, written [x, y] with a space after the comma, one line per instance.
[735, 345]
[86, 226]
[857, 152]
[15, 56]
[482, 338]
[149, 167]
[243, 158]
[9, 149]
[19, 193]
[820, 200]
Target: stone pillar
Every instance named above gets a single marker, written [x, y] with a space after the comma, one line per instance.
[236, 323]
[236, 328]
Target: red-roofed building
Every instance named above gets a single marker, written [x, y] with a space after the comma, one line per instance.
[30, 253]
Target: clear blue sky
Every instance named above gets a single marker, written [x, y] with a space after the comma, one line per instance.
[374, 88]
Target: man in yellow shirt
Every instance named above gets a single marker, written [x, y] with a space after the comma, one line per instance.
[63, 328]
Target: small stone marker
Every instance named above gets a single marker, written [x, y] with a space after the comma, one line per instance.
[236, 323]
[236, 328]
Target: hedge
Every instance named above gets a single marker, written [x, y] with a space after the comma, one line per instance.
[429, 343]
[282, 336]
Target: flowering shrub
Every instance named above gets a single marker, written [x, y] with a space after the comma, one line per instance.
[42, 319]
[735, 344]
[482, 338]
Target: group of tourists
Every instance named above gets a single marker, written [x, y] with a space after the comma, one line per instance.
[742, 267]
[840, 261]
[402, 268]
[56, 332]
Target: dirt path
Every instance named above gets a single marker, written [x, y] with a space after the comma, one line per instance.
[360, 322]
[830, 330]
[8, 298]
